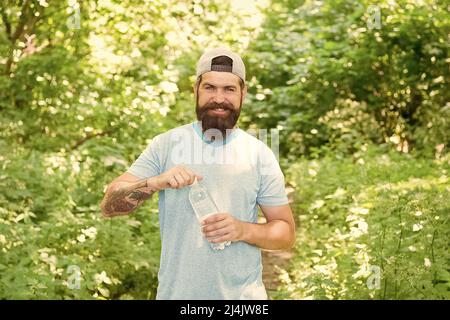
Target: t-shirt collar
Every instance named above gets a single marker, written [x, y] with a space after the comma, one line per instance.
[198, 128]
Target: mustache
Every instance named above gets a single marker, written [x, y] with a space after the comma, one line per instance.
[214, 105]
[220, 123]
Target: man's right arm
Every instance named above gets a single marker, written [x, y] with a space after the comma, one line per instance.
[127, 192]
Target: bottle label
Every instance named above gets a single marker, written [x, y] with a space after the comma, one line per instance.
[204, 208]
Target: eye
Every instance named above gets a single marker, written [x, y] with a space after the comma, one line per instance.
[230, 89]
[209, 88]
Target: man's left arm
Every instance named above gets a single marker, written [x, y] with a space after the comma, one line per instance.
[276, 234]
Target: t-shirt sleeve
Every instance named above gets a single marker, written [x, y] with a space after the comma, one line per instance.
[272, 190]
[148, 164]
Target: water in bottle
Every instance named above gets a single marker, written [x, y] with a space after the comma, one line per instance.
[204, 206]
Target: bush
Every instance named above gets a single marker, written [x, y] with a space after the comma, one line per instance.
[51, 233]
[377, 213]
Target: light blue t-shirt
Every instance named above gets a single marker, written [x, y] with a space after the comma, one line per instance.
[239, 173]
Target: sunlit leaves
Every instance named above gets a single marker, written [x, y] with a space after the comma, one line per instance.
[384, 217]
[312, 65]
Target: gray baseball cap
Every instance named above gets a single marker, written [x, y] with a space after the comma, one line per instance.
[206, 62]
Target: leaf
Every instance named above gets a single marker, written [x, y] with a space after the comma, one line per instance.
[104, 292]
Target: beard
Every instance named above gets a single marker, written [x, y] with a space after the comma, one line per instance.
[218, 122]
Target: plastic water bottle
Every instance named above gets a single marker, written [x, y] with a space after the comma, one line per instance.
[204, 206]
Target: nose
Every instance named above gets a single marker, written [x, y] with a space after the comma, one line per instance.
[219, 97]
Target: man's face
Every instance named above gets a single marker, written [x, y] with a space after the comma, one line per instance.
[219, 99]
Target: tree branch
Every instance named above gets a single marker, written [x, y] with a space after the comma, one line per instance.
[90, 136]
[26, 23]
[6, 22]
[21, 25]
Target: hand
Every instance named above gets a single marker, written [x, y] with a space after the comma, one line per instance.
[176, 178]
[222, 227]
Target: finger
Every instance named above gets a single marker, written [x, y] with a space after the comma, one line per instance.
[215, 218]
[223, 238]
[179, 179]
[216, 226]
[190, 175]
[186, 177]
[172, 182]
[218, 232]
[194, 175]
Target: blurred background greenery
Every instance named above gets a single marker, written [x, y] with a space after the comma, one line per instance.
[358, 90]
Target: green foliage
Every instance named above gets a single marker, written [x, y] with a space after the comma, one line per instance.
[312, 55]
[45, 230]
[376, 213]
[86, 85]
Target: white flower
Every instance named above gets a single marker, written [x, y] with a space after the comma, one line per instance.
[284, 277]
[363, 226]
[337, 194]
[394, 139]
[168, 87]
[317, 204]
[90, 232]
[122, 26]
[363, 272]
[103, 291]
[318, 252]
[76, 167]
[81, 238]
[357, 210]
[417, 227]
[43, 3]
[260, 96]
[315, 259]
[427, 262]
[412, 248]
[418, 213]
[312, 172]
[102, 278]
[322, 269]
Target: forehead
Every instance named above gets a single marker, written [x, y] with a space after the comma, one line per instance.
[217, 78]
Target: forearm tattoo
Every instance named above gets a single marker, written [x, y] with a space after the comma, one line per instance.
[124, 200]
